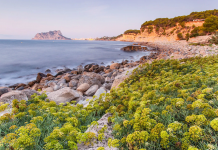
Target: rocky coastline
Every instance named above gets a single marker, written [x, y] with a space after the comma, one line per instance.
[93, 79]
[77, 84]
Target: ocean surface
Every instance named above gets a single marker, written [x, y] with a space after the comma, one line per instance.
[21, 60]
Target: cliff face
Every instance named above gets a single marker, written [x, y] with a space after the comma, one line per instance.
[51, 35]
[170, 34]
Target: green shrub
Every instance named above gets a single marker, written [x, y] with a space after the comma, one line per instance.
[180, 36]
[132, 31]
[150, 29]
[187, 36]
[211, 24]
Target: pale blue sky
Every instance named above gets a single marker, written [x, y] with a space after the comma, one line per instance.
[22, 19]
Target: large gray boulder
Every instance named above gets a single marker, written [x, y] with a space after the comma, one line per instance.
[29, 93]
[91, 78]
[100, 91]
[63, 95]
[91, 91]
[10, 96]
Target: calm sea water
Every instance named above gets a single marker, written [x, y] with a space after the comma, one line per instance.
[21, 60]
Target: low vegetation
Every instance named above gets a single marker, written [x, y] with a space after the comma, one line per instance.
[132, 31]
[166, 22]
[169, 104]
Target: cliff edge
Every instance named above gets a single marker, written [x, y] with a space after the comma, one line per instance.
[51, 35]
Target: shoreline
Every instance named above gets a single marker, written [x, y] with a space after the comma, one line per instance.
[95, 75]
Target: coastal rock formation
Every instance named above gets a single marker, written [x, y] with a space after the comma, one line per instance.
[51, 35]
[167, 35]
[133, 48]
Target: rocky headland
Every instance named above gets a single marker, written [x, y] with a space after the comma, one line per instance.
[51, 35]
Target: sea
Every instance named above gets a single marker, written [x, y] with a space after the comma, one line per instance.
[21, 60]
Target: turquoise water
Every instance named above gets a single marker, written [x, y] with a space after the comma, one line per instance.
[21, 60]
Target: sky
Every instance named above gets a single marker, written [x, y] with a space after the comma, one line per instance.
[22, 19]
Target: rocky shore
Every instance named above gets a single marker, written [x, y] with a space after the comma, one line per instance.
[76, 85]
[83, 82]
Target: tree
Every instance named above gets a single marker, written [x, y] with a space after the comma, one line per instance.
[180, 36]
[187, 36]
[211, 24]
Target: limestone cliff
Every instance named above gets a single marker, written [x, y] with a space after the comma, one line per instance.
[51, 35]
[169, 34]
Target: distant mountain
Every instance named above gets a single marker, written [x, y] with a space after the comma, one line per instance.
[51, 35]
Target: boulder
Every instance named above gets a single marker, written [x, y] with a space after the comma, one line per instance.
[91, 78]
[29, 93]
[3, 90]
[100, 91]
[115, 66]
[39, 77]
[52, 84]
[63, 95]
[67, 77]
[120, 78]
[83, 87]
[56, 87]
[73, 83]
[10, 96]
[49, 89]
[31, 83]
[35, 86]
[61, 81]
[107, 85]
[80, 69]
[107, 79]
[91, 91]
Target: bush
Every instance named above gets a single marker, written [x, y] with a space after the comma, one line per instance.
[150, 29]
[132, 31]
[187, 36]
[211, 24]
[180, 36]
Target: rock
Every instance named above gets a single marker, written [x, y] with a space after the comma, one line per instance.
[74, 72]
[13, 86]
[114, 74]
[7, 111]
[3, 90]
[49, 89]
[31, 83]
[61, 81]
[107, 70]
[67, 77]
[20, 88]
[115, 66]
[60, 73]
[107, 79]
[63, 95]
[107, 85]
[49, 75]
[83, 87]
[77, 77]
[51, 35]
[29, 93]
[39, 77]
[132, 48]
[35, 86]
[47, 71]
[80, 69]
[91, 78]
[52, 84]
[95, 129]
[120, 78]
[10, 96]
[91, 91]
[56, 87]
[73, 83]
[100, 91]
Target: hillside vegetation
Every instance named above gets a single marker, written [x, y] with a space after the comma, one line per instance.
[168, 104]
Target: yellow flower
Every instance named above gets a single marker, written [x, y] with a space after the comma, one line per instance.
[214, 124]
